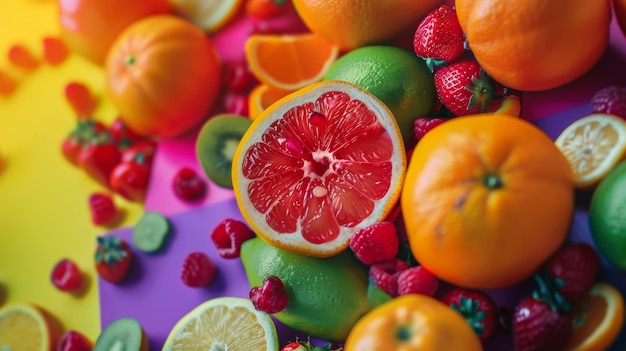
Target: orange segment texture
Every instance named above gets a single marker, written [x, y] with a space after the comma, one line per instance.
[289, 62]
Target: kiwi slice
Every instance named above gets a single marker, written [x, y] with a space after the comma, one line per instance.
[151, 232]
[122, 334]
[216, 146]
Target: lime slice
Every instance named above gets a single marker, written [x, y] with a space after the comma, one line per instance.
[151, 232]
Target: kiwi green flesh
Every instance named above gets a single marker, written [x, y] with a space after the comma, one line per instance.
[124, 334]
[216, 146]
[151, 232]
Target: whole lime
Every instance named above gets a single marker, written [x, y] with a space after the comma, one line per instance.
[396, 76]
[607, 216]
[326, 295]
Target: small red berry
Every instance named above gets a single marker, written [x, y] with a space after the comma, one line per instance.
[271, 297]
[21, 57]
[80, 99]
[478, 309]
[611, 100]
[7, 84]
[238, 76]
[236, 103]
[375, 243]
[54, 50]
[102, 207]
[575, 268]
[198, 270]
[228, 236]
[422, 125]
[188, 185]
[417, 280]
[72, 340]
[385, 275]
[66, 276]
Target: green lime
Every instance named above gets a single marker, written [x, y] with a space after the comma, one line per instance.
[396, 76]
[607, 216]
[326, 295]
[151, 232]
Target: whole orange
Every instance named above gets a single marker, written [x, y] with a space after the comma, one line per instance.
[89, 27]
[486, 199]
[535, 45]
[163, 75]
[350, 24]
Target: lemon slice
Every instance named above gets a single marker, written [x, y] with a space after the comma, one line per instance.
[224, 323]
[26, 327]
[210, 15]
[593, 145]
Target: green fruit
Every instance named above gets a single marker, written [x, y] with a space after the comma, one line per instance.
[122, 334]
[326, 295]
[607, 216]
[396, 76]
[151, 232]
[216, 146]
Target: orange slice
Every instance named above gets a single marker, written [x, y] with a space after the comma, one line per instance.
[261, 97]
[593, 145]
[597, 319]
[224, 323]
[510, 106]
[26, 327]
[209, 15]
[318, 165]
[289, 62]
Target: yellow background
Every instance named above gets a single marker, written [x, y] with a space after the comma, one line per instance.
[44, 215]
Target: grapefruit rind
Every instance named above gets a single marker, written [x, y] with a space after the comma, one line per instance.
[294, 241]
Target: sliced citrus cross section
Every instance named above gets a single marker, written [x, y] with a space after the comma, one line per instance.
[289, 62]
[318, 165]
[597, 319]
[209, 15]
[27, 327]
[261, 97]
[224, 323]
[593, 145]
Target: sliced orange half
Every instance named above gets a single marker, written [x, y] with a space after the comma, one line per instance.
[597, 319]
[24, 326]
[318, 165]
[593, 145]
[209, 15]
[289, 62]
[261, 97]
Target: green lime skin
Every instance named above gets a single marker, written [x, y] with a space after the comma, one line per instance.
[396, 76]
[326, 295]
[607, 216]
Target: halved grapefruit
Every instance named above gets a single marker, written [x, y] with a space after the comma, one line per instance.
[318, 165]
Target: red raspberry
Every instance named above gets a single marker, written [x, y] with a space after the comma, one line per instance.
[423, 125]
[238, 76]
[611, 100]
[54, 50]
[21, 57]
[385, 275]
[376, 243]
[188, 185]
[228, 236]
[271, 297]
[417, 280]
[66, 276]
[198, 270]
[72, 340]
[102, 208]
[80, 99]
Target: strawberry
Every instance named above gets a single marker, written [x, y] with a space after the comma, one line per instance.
[113, 257]
[540, 321]
[307, 346]
[85, 130]
[66, 276]
[476, 307]
[80, 99]
[54, 50]
[439, 37]
[98, 158]
[464, 88]
[611, 100]
[375, 243]
[198, 270]
[575, 268]
[72, 340]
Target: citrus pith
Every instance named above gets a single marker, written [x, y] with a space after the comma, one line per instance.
[209, 15]
[318, 165]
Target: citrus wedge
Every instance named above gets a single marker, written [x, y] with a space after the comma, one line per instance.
[26, 327]
[289, 62]
[261, 97]
[318, 165]
[593, 145]
[209, 15]
[510, 106]
[224, 323]
[597, 319]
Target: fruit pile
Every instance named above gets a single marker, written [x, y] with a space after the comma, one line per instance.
[387, 183]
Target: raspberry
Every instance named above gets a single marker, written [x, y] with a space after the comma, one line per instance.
[188, 185]
[423, 125]
[72, 340]
[198, 270]
[54, 50]
[238, 76]
[66, 276]
[102, 208]
[7, 84]
[271, 297]
[21, 57]
[80, 99]
[417, 280]
[376, 243]
[228, 236]
[610, 100]
[385, 275]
